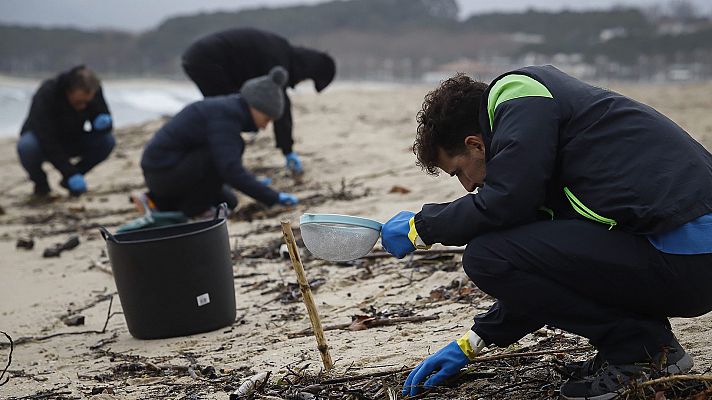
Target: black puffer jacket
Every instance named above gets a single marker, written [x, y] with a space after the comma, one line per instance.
[245, 53]
[57, 125]
[214, 123]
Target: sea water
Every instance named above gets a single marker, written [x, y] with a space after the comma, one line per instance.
[134, 101]
[130, 101]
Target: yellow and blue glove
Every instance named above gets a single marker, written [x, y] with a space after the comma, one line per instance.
[444, 364]
[399, 237]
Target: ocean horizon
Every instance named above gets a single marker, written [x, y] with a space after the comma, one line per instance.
[130, 101]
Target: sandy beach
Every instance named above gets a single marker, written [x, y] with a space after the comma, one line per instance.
[355, 143]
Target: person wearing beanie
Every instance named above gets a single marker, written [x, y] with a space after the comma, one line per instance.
[193, 161]
[68, 118]
[265, 94]
[222, 62]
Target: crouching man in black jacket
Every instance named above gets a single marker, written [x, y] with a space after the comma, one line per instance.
[593, 214]
[68, 118]
[192, 161]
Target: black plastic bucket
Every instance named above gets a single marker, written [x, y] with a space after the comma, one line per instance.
[175, 280]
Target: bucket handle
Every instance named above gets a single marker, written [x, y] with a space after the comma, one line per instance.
[106, 235]
[221, 211]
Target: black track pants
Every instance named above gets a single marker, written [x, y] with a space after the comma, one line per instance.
[611, 287]
[192, 186]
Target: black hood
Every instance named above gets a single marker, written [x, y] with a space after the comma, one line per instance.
[314, 65]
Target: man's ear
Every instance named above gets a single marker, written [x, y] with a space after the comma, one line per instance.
[475, 142]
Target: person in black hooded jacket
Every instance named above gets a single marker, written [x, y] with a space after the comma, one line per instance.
[68, 118]
[221, 62]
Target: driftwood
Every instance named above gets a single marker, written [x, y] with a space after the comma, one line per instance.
[526, 354]
[29, 339]
[678, 378]
[404, 369]
[383, 254]
[307, 295]
[9, 360]
[360, 377]
[668, 380]
[371, 324]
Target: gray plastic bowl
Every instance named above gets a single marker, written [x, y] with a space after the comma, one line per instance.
[335, 237]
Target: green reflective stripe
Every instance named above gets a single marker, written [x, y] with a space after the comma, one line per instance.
[548, 211]
[513, 87]
[580, 208]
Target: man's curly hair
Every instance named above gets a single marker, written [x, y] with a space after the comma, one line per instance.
[449, 114]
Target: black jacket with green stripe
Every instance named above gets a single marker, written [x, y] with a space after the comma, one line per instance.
[555, 143]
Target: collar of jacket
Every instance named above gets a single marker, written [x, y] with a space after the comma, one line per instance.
[248, 123]
[485, 124]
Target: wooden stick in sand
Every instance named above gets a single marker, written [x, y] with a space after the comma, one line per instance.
[307, 295]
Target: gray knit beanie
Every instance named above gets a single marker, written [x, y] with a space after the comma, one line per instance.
[264, 93]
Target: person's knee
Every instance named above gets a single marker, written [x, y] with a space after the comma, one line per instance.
[107, 144]
[227, 196]
[29, 149]
[98, 148]
[483, 262]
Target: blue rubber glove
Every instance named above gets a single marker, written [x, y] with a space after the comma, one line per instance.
[265, 181]
[444, 364]
[394, 235]
[101, 122]
[77, 184]
[294, 164]
[287, 199]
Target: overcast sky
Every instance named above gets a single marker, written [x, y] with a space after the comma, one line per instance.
[137, 15]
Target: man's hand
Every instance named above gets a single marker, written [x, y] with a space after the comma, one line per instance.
[394, 234]
[294, 164]
[101, 122]
[444, 364]
[76, 184]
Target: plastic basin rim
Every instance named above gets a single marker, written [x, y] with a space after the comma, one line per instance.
[308, 218]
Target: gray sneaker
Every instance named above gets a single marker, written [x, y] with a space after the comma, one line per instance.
[611, 380]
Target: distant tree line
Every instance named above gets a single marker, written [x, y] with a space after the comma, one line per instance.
[389, 39]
